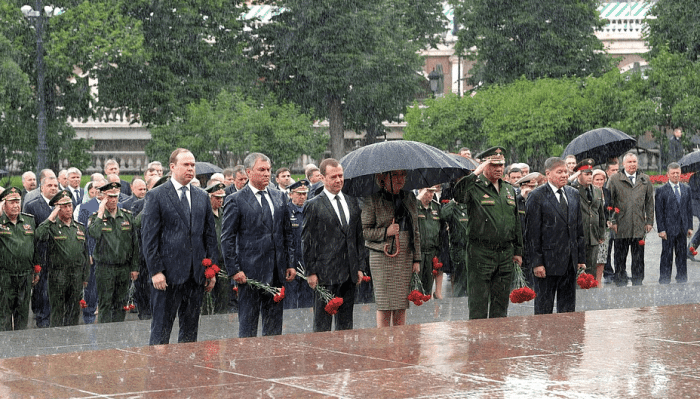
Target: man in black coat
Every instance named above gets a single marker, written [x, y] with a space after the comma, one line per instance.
[257, 243]
[178, 232]
[333, 247]
[554, 239]
[40, 209]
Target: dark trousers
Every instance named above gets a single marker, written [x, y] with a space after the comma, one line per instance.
[40, 300]
[181, 300]
[563, 288]
[65, 288]
[608, 271]
[15, 291]
[670, 246]
[343, 319]
[142, 292]
[253, 304]
[90, 293]
[490, 274]
[298, 294]
[622, 246]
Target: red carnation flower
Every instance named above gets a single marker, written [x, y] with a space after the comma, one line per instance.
[693, 251]
[132, 306]
[216, 269]
[435, 272]
[209, 273]
[333, 305]
[444, 201]
[642, 242]
[521, 295]
[206, 262]
[586, 281]
[617, 210]
[83, 304]
[426, 298]
[235, 289]
[37, 269]
[610, 208]
[366, 279]
[126, 307]
[279, 296]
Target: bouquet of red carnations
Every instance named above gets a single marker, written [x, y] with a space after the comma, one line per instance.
[332, 302]
[522, 293]
[416, 295]
[585, 280]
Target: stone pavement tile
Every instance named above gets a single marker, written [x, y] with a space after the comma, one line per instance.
[29, 388]
[258, 389]
[406, 382]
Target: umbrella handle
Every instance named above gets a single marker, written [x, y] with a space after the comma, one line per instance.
[398, 248]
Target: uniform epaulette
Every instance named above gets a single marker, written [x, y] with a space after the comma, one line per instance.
[27, 214]
[126, 211]
[78, 223]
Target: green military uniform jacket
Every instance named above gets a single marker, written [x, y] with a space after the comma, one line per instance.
[67, 245]
[218, 219]
[457, 217]
[116, 239]
[429, 223]
[17, 256]
[592, 214]
[493, 215]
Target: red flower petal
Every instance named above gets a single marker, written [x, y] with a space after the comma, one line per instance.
[37, 269]
[642, 242]
[206, 262]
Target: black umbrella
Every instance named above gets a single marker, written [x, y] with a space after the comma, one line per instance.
[466, 162]
[206, 169]
[425, 166]
[600, 144]
[690, 162]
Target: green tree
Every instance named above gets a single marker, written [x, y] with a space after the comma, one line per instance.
[223, 131]
[530, 38]
[443, 121]
[673, 24]
[193, 49]
[353, 60]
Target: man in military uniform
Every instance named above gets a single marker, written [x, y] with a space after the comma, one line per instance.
[593, 213]
[433, 240]
[66, 261]
[17, 259]
[116, 254]
[222, 290]
[495, 235]
[457, 218]
[297, 292]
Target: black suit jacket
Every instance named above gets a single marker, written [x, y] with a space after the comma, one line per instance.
[554, 240]
[671, 217]
[172, 244]
[332, 252]
[39, 209]
[250, 246]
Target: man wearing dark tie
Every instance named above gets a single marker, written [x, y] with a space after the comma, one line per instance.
[39, 208]
[674, 221]
[257, 243]
[74, 176]
[555, 241]
[178, 232]
[333, 247]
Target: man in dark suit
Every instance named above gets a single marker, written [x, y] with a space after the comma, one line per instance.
[178, 232]
[138, 191]
[333, 247]
[554, 236]
[257, 243]
[74, 176]
[239, 180]
[40, 209]
[674, 221]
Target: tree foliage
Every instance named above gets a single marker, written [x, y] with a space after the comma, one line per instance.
[673, 25]
[531, 38]
[353, 60]
[225, 130]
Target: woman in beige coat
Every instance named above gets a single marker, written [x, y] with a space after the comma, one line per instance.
[390, 227]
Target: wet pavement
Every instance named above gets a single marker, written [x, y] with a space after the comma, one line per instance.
[640, 341]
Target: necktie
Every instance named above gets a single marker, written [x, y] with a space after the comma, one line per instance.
[632, 179]
[77, 196]
[589, 193]
[678, 193]
[184, 202]
[562, 202]
[267, 214]
[343, 221]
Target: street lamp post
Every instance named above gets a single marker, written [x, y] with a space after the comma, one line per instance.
[38, 18]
